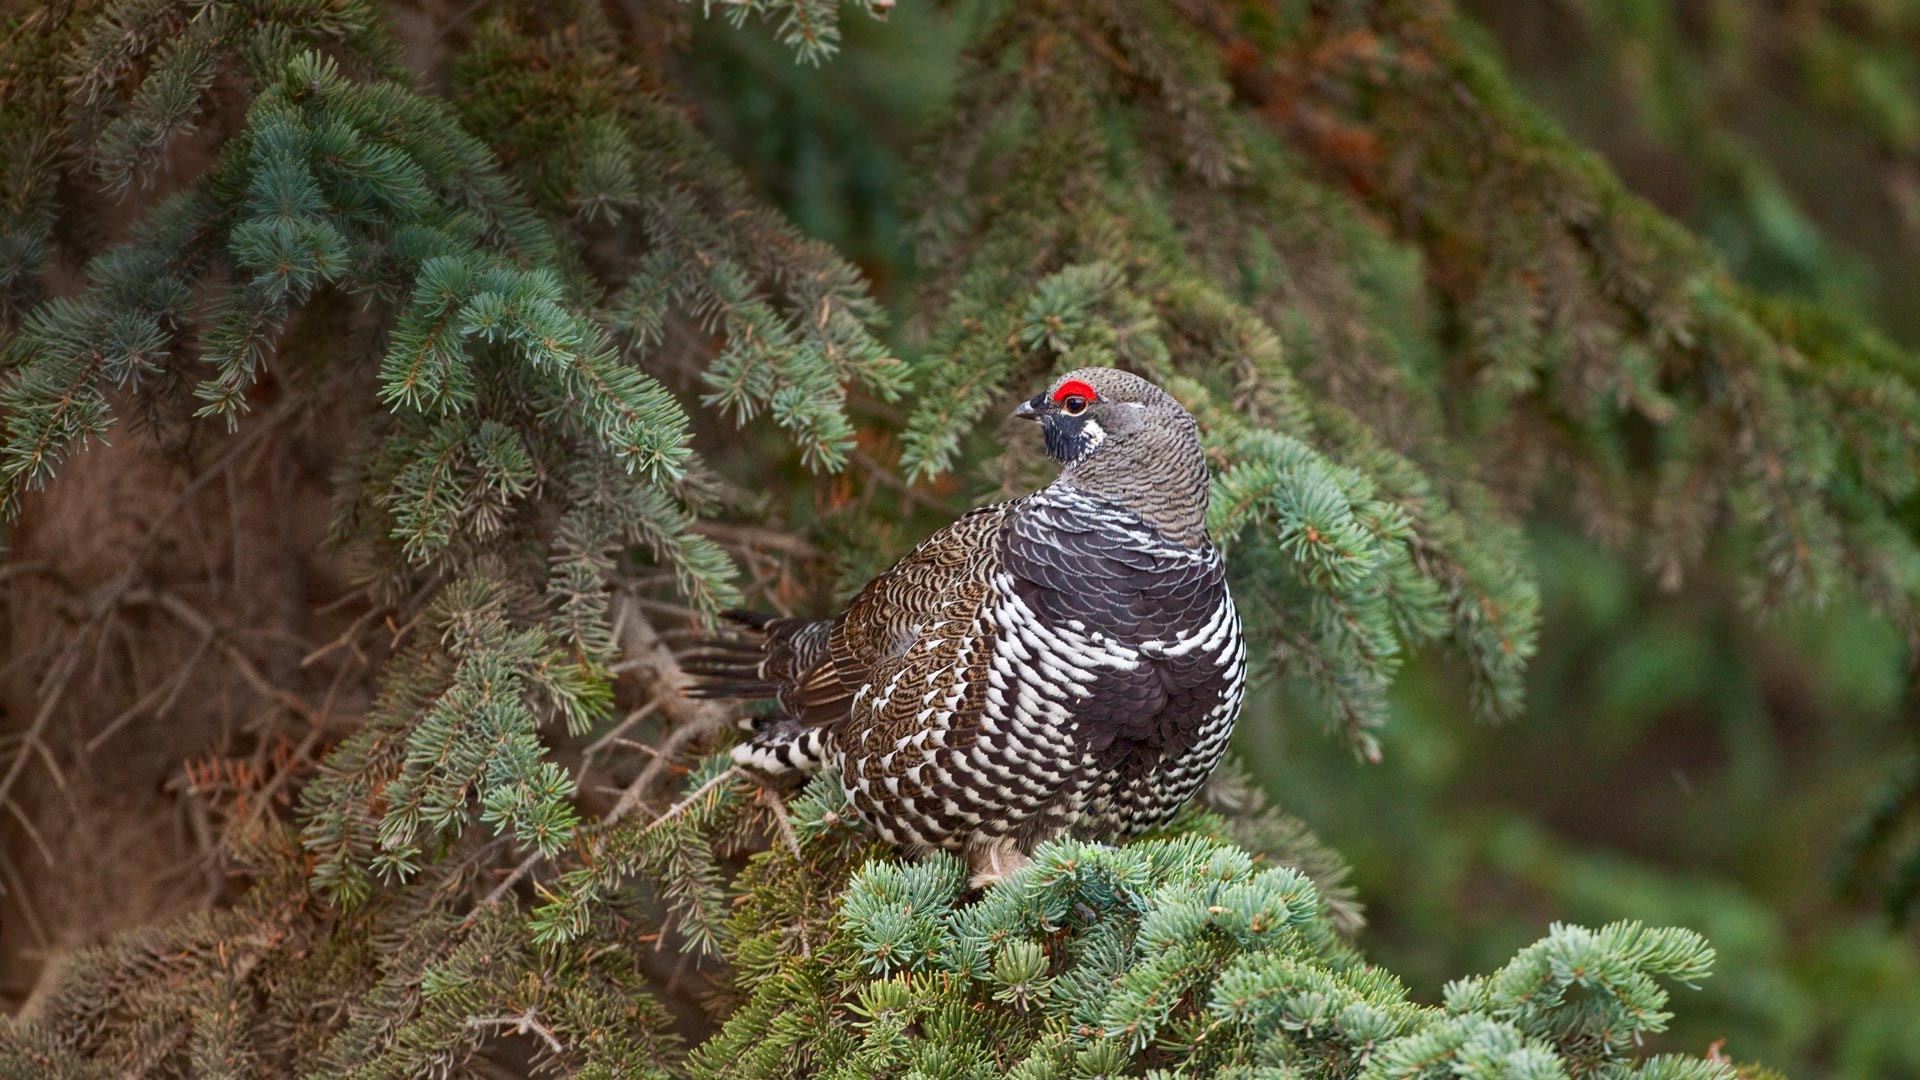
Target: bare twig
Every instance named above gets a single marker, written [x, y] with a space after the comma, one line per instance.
[27, 566]
[165, 693]
[59, 677]
[242, 663]
[651, 663]
[24, 901]
[732, 772]
[688, 719]
[268, 421]
[27, 658]
[613, 737]
[348, 639]
[777, 806]
[39, 746]
[33, 832]
[533, 859]
[751, 537]
[264, 796]
[524, 1024]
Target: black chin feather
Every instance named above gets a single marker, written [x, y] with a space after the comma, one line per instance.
[1066, 437]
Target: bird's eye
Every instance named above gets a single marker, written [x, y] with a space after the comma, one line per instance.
[1073, 405]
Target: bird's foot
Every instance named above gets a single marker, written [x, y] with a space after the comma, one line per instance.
[993, 861]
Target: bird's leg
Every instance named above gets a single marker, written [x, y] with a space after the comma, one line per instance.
[993, 860]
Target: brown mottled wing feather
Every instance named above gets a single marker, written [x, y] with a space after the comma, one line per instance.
[915, 717]
[887, 616]
[816, 668]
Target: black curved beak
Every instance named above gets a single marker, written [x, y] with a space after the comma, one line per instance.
[1030, 409]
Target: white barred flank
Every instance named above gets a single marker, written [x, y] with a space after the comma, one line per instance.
[784, 749]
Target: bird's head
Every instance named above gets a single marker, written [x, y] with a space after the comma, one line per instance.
[1119, 437]
[1107, 412]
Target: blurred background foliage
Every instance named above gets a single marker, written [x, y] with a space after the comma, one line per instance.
[1677, 761]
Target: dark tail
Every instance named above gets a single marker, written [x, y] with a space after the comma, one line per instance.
[733, 666]
[772, 658]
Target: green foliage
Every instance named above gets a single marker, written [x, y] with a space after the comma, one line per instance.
[1157, 268]
[459, 721]
[811, 28]
[526, 284]
[675, 850]
[621, 165]
[1687, 768]
[493, 375]
[1173, 957]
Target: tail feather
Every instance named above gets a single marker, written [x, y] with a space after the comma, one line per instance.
[772, 658]
[752, 620]
[728, 669]
[732, 666]
[765, 662]
[730, 690]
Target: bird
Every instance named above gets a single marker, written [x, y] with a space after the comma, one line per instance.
[1067, 663]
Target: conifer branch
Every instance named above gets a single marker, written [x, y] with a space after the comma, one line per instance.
[521, 286]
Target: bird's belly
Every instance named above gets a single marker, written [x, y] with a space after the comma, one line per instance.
[951, 795]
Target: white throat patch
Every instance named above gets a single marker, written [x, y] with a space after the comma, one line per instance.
[1095, 436]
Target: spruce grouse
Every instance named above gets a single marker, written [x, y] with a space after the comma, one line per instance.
[1067, 662]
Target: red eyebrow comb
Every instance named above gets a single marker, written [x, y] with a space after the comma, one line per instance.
[1073, 388]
